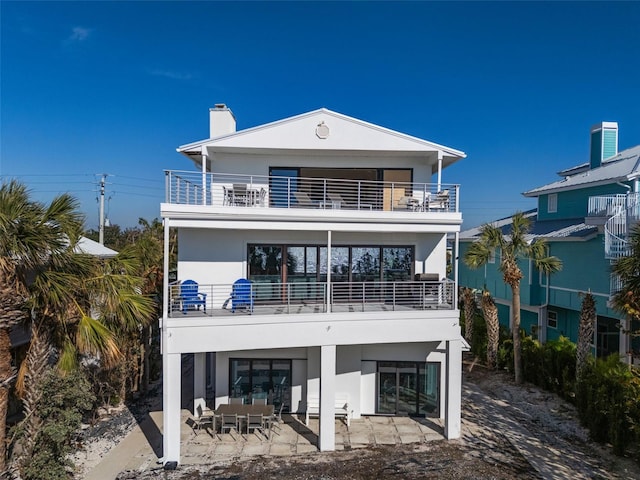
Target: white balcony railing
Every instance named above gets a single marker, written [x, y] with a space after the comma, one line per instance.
[255, 191]
[622, 212]
[606, 205]
[307, 297]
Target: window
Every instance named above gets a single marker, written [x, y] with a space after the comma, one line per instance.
[492, 256]
[552, 203]
[552, 319]
[261, 378]
[308, 263]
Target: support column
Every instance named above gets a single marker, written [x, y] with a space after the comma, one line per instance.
[199, 382]
[454, 389]
[204, 175]
[440, 157]
[327, 432]
[171, 393]
[329, 299]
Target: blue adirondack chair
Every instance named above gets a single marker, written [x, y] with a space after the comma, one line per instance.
[242, 295]
[189, 296]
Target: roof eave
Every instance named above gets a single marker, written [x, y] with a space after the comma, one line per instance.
[189, 148]
[608, 181]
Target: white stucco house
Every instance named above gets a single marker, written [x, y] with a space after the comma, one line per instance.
[341, 231]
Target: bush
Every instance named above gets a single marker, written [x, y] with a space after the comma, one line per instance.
[479, 339]
[64, 401]
[608, 401]
[505, 351]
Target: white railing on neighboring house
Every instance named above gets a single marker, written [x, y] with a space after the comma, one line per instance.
[605, 205]
[308, 297]
[623, 211]
[256, 191]
[615, 235]
[615, 286]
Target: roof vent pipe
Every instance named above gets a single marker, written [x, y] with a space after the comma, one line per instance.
[221, 121]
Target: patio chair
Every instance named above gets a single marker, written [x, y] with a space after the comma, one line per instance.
[228, 422]
[303, 200]
[202, 419]
[255, 422]
[240, 194]
[190, 297]
[242, 295]
[227, 196]
[336, 200]
[439, 202]
[261, 199]
[236, 401]
[409, 203]
[275, 419]
[258, 401]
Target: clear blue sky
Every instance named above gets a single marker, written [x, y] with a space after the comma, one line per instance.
[114, 87]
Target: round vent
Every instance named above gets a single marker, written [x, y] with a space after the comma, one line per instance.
[322, 131]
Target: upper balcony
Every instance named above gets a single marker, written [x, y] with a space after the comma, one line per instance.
[242, 193]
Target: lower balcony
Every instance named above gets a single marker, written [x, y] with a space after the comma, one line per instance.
[188, 299]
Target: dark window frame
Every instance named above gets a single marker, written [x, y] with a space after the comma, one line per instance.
[318, 273]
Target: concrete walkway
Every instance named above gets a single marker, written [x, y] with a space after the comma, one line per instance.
[141, 449]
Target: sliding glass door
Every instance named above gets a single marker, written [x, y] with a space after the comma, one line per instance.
[408, 388]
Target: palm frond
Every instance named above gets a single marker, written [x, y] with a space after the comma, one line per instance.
[92, 337]
[477, 255]
[68, 360]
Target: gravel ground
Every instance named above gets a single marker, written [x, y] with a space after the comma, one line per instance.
[509, 432]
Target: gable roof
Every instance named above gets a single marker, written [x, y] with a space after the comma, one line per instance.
[91, 247]
[624, 166]
[299, 133]
[572, 229]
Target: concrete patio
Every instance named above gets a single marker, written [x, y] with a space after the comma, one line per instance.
[141, 450]
[292, 437]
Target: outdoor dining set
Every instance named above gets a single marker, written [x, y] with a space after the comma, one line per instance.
[240, 417]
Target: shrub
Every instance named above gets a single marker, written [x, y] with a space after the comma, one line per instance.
[479, 340]
[64, 401]
[608, 400]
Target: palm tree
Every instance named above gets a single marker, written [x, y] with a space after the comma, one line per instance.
[512, 247]
[469, 306]
[627, 299]
[86, 308]
[585, 333]
[490, 312]
[31, 235]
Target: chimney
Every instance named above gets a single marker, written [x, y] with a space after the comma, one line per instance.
[604, 142]
[221, 121]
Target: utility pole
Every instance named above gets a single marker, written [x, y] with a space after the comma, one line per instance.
[101, 228]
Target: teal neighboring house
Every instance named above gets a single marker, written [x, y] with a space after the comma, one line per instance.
[585, 218]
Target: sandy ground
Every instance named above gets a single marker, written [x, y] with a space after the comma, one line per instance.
[509, 432]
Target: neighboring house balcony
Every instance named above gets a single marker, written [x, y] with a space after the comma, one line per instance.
[617, 214]
[295, 298]
[256, 195]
